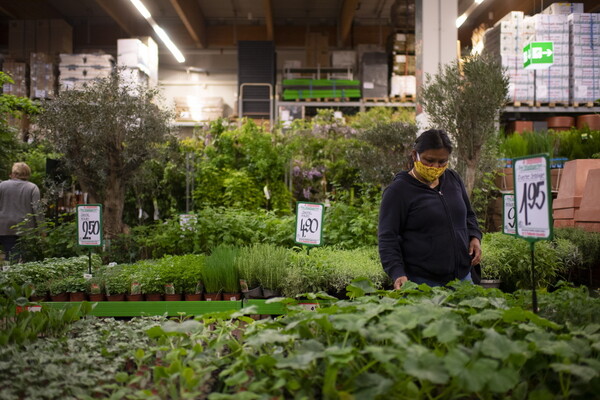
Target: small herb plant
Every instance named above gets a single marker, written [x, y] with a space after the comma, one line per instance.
[220, 272]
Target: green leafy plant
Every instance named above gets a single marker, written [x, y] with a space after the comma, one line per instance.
[263, 265]
[219, 272]
[117, 280]
[75, 284]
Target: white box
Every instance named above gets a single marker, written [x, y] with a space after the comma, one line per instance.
[403, 85]
[563, 8]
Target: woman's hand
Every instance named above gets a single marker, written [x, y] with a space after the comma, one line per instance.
[399, 282]
[475, 251]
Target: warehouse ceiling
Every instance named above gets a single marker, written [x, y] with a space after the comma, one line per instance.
[217, 24]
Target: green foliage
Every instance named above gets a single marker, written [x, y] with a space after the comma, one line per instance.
[386, 151]
[528, 143]
[588, 245]
[16, 107]
[237, 167]
[510, 257]
[20, 326]
[106, 132]
[117, 279]
[464, 99]
[374, 116]
[351, 224]
[220, 272]
[578, 143]
[263, 264]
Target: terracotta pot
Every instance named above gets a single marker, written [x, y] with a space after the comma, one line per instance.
[193, 297]
[213, 296]
[60, 297]
[231, 296]
[561, 123]
[116, 297]
[590, 120]
[173, 297]
[36, 298]
[153, 297]
[96, 297]
[77, 296]
[135, 297]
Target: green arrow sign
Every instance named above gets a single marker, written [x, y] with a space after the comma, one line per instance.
[538, 55]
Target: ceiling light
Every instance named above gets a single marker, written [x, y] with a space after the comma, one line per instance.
[141, 8]
[479, 1]
[460, 20]
[168, 42]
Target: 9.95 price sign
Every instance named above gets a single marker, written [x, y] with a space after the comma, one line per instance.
[533, 198]
[309, 223]
[89, 225]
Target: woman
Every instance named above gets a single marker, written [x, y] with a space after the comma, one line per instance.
[19, 199]
[428, 232]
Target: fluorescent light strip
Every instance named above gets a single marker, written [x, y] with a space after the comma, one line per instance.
[461, 20]
[159, 31]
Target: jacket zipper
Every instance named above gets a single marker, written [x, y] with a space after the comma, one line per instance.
[451, 231]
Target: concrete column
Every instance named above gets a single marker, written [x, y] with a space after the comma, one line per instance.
[435, 41]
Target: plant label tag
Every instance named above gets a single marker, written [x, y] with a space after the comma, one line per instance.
[533, 198]
[309, 306]
[87, 276]
[508, 214]
[89, 225]
[6, 268]
[309, 223]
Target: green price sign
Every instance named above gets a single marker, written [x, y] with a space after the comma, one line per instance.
[538, 55]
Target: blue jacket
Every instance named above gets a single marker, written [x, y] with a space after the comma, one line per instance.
[426, 232]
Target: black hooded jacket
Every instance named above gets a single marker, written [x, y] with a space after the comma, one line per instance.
[426, 232]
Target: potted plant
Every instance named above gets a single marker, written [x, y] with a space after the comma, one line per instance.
[490, 276]
[220, 275]
[58, 290]
[248, 264]
[135, 291]
[40, 292]
[190, 276]
[116, 283]
[76, 287]
[95, 288]
[272, 269]
[150, 280]
[170, 270]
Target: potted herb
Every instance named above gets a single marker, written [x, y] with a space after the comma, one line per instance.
[58, 290]
[76, 287]
[149, 277]
[190, 276]
[220, 273]
[135, 291]
[95, 289]
[116, 283]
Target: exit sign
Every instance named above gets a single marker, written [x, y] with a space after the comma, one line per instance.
[538, 55]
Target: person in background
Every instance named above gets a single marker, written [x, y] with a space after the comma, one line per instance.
[428, 232]
[19, 200]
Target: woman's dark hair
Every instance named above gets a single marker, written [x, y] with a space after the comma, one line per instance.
[431, 140]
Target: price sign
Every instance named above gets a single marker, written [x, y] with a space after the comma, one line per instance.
[187, 221]
[309, 223]
[508, 215]
[89, 225]
[533, 198]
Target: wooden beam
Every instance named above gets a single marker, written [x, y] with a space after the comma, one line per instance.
[268, 6]
[191, 15]
[346, 17]
[29, 9]
[124, 17]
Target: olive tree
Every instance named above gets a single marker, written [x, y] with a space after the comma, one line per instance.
[106, 132]
[465, 99]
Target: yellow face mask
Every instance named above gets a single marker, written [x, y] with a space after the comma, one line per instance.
[430, 174]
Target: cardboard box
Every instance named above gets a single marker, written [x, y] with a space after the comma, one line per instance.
[563, 8]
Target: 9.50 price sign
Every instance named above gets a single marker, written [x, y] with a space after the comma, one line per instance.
[309, 223]
[89, 225]
[533, 198]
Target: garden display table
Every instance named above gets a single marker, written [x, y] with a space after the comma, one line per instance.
[173, 308]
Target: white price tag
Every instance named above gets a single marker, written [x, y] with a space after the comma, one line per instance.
[309, 306]
[508, 215]
[533, 199]
[89, 225]
[309, 223]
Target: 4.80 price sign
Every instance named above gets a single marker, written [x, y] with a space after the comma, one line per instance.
[309, 223]
[89, 225]
[533, 198]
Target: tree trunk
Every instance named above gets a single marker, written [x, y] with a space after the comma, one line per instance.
[113, 206]
[470, 173]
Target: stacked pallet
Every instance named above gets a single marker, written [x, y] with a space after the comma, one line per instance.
[18, 72]
[138, 61]
[584, 32]
[78, 70]
[505, 42]
[305, 89]
[552, 84]
[403, 83]
[43, 76]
